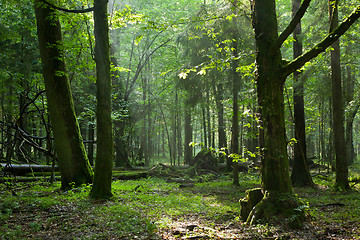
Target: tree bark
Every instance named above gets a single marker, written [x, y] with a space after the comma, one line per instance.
[235, 92]
[188, 156]
[73, 162]
[91, 139]
[270, 83]
[300, 176]
[338, 105]
[349, 122]
[222, 143]
[220, 110]
[104, 132]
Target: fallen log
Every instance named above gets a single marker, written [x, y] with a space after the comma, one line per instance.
[129, 175]
[28, 179]
[22, 169]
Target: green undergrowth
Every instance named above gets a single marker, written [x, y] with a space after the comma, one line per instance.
[138, 209]
[148, 207]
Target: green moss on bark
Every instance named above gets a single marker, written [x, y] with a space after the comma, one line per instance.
[279, 208]
[73, 162]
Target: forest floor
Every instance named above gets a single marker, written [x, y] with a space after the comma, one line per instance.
[204, 207]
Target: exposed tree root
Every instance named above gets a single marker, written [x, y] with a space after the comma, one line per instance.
[275, 208]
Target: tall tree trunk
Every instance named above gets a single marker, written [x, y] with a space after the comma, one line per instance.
[338, 105]
[220, 109]
[173, 146]
[330, 150]
[73, 162]
[104, 131]
[204, 125]
[322, 152]
[91, 139]
[179, 130]
[349, 122]
[234, 148]
[218, 92]
[235, 126]
[270, 88]
[144, 144]
[149, 152]
[271, 74]
[208, 117]
[300, 176]
[188, 157]
[9, 115]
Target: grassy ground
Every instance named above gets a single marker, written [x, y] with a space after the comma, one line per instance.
[156, 208]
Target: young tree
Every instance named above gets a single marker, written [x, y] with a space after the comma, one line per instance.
[272, 71]
[73, 162]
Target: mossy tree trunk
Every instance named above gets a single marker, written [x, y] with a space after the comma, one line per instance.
[270, 81]
[104, 131]
[73, 162]
[271, 74]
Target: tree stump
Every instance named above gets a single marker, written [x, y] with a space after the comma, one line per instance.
[253, 197]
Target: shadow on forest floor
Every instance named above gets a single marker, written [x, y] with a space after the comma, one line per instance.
[163, 208]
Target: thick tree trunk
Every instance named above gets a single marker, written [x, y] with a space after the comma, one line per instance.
[278, 192]
[270, 77]
[300, 176]
[104, 131]
[270, 84]
[73, 162]
[338, 107]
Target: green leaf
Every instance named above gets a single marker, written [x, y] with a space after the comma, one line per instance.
[138, 39]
